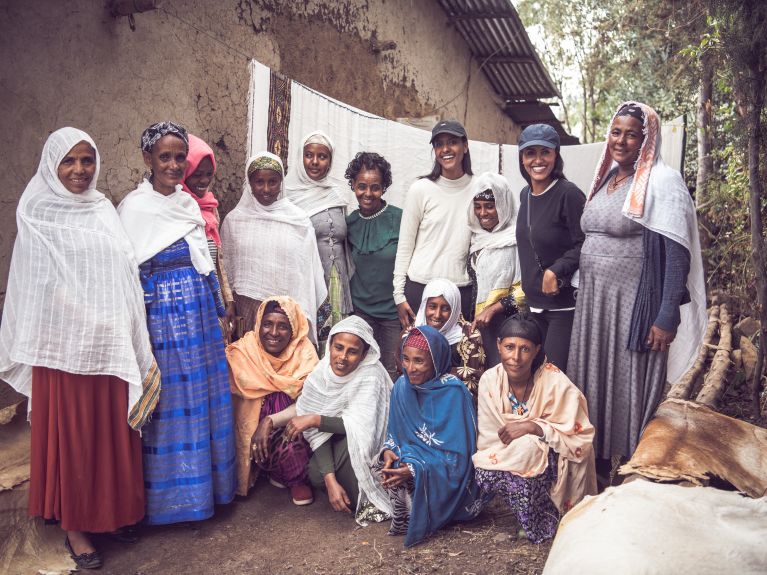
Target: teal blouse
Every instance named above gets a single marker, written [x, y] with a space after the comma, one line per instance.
[373, 243]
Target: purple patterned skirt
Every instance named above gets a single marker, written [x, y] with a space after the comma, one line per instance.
[527, 497]
[287, 462]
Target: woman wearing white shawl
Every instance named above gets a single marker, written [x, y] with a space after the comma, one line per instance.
[183, 305]
[493, 260]
[343, 417]
[74, 340]
[641, 283]
[309, 187]
[271, 248]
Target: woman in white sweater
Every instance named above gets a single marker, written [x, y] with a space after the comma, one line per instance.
[434, 238]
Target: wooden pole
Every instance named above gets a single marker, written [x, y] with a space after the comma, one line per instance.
[682, 389]
[716, 380]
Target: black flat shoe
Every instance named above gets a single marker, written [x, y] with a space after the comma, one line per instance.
[84, 560]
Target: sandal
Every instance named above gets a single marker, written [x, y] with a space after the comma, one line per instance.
[84, 560]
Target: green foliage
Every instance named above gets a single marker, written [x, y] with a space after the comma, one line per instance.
[602, 53]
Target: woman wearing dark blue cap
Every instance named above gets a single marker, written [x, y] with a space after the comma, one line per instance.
[434, 224]
[549, 238]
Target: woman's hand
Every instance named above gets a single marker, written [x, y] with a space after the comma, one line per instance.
[516, 429]
[230, 322]
[337, 496]
[405, 313]
[659, 339]
[300, 423]
[259, 443]
[393, 477]
[549, 286]
[486, 316]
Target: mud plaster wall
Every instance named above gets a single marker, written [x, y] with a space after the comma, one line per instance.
[70, 63]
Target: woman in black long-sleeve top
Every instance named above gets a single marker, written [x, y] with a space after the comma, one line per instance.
[549, 238]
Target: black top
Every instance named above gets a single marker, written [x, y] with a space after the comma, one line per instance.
[556, 239]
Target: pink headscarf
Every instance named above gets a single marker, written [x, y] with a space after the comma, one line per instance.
[208, 203]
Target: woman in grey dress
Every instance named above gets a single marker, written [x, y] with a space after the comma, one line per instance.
[641, 284]
[310, 188]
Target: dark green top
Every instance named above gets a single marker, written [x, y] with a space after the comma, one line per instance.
[373, 243]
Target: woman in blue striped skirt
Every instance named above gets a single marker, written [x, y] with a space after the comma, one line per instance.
[188, 447]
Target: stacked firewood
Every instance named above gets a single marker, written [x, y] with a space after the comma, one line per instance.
[725, 350]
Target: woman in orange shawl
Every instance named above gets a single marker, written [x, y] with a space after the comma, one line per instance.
[535, 439]
[268, 368]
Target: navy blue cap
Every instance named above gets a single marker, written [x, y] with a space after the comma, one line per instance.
[538, 135]
[453, 127]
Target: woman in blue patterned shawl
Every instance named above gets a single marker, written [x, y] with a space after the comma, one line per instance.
[425, 465]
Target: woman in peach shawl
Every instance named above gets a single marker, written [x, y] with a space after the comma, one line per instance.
[268, 368]
[535, 439]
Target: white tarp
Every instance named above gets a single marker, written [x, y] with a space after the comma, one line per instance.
[405, 147]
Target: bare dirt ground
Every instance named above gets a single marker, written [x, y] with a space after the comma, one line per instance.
[267, 534]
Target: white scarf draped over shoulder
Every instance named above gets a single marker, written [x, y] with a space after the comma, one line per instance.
[660, 201]
[313, 196]
[361, 399]
[272, 250]
[496, 263]
[74, 300]
[154, 221]
[448, 290]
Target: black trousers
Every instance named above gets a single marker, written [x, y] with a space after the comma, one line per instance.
[414, 292]
[556, 327]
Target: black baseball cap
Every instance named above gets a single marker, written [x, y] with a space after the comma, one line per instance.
[453, 127]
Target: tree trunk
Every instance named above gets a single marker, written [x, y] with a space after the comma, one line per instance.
[755, 193]
[705, 161]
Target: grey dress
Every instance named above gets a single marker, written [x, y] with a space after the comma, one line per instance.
[330, 228]
[622, 387]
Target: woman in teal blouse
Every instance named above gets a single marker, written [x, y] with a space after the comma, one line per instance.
[373, 233]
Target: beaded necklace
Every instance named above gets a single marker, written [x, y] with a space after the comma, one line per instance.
[375, 215]
[519, 406]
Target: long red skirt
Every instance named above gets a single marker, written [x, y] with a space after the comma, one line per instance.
[85, 460]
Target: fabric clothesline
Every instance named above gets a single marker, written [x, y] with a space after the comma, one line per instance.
[282, 111]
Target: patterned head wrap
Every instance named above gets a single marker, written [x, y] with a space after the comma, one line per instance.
[521, 325]
[264, 163]
[632, 110]
[273, 306]
[156, 131]
[416, 339]
[485, 195]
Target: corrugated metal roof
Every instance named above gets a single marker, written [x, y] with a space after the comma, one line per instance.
[499, 42]
[526, 113]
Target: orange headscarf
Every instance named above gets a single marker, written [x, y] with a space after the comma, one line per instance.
[256, 373]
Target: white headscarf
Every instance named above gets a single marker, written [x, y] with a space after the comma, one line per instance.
[272, 250]
[504, 234]
[74, 300]
[497, 263]
[361, 399]
[313, 196]
[447, 289]
[661, 202]
[154, 221]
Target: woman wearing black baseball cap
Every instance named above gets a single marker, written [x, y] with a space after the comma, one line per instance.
[434, 238]
[549, 238]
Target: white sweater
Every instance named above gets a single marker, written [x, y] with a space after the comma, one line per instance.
[434, 235]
